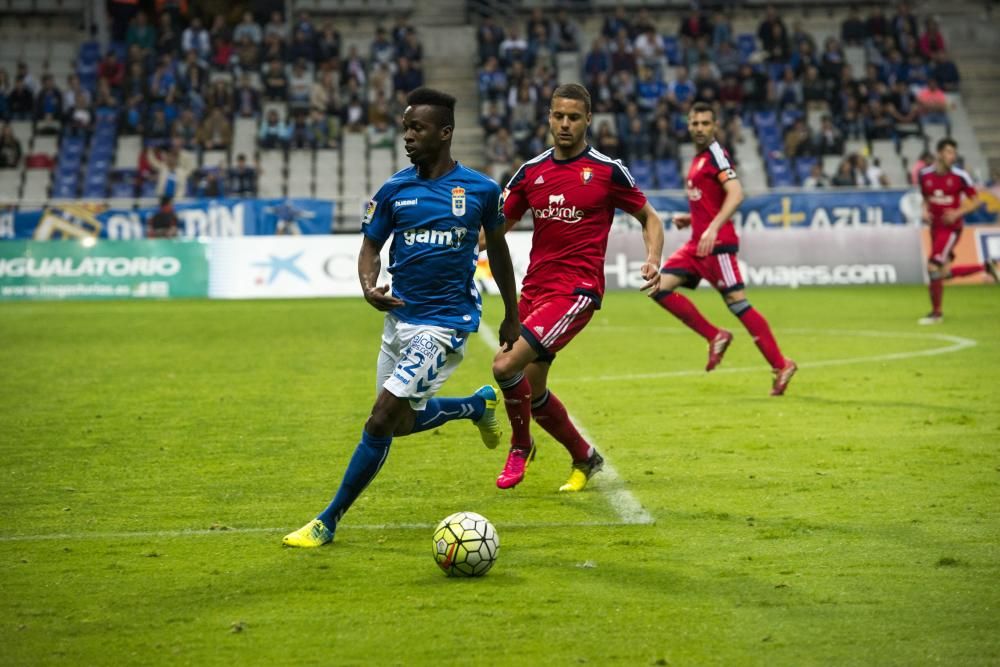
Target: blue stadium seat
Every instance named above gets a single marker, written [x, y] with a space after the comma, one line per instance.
[96, 190]
[64, 189]
[775, 71]
[789, 116]
[148, 189]
[667, 175]
[642, 171]
[803, 167]
[746, 44]
[672, 49]
[90, 52]
[764, 118]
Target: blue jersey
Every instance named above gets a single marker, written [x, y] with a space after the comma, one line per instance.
[435, 229]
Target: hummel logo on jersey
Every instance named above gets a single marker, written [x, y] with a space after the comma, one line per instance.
[539, 180]
[404, 202]
[557, 211]
[539, 330]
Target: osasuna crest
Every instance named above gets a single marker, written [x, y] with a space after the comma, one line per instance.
[458, 201]
[586, 174]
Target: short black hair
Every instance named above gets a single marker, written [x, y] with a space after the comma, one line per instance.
[443, 102]
[947, 141]
[702, 107]
[573, 91]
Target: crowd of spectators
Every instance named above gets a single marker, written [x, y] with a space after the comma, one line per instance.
[179, 81]
[643, 80]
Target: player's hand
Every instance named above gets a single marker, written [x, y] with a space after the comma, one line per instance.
[380, 299]
[652, 285]
[681, 220]
[649, 270]
[950, 216]
[510, 331]
[706, 243]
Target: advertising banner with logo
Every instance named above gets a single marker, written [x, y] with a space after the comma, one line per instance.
[92, 269]
[829, 208]
[976, 244]
[286, 267]
[196, 218]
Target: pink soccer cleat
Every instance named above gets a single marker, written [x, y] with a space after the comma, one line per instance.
[517, 462]
[782, 376]
[717, 348]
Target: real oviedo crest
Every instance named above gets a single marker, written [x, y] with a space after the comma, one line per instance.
[586, 174]
[458, 201]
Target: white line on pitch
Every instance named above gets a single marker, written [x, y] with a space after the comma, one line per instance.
[609, 482]
[958, 343]
[346, 528]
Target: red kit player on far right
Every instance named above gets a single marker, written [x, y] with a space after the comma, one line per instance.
[714, 194]
[942, 184]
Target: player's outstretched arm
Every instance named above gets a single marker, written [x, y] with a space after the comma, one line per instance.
[652, 237]
[503, 273]
[369, 267]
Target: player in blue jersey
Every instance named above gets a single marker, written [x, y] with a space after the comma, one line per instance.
[433, 211]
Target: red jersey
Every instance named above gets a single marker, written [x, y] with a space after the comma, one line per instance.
[709, 170]
[943, 192]
[573, 203]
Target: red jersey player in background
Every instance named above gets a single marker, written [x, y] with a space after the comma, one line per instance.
[714, 194]
[942, 184]
[572, 191]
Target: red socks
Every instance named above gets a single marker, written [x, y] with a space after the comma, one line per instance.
[966, 270]
[682, 308]
[762, 336]
[937, 294]
[517, 400]
[551, 415]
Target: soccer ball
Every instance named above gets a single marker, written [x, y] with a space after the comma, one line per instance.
[465, 545]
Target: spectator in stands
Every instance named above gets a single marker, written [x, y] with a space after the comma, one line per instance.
[943, 71]
[727, 59]
[223, 53]
[874, 175]
[121, 13]
[274, 49]
[380, 134]
[141, 34]
[902, 107]
[492, 81]
[27, 76]
[636, 141]
[681, 89]
[798, 140]
[248, 28]
[302, 48]
[300, 85]
[779, 50]
[694, 24]
[74, 95]
[273, 131]
[10, 148]
[247, 55]
[210, 183]
[615, 23]
[220, 29]
[354, 67]
[112, 70]
[406, 78]
[168, 41]
[299, 130]
[184, 130]
[172, 171]
[243, 178]
[903, 23]
[878, 123]
[492, 118]
[176, 9]
[328, 43]
[196, 38]
[926, 158]
[382, 50]
[163, 80]
[607, 141]
[355, 114]
[815, 91]
[755, 87]
[566, 32]
[788, 91]
[537, 21]
[829, 139]
[488, 38]
[854, 30]
[931, 41]
[5, 88]
[163, 224]
[411, 49]
[650, 50]
[157, 130]
[276, 27]
[844, 177]
[325, 94]
[513, 48]
[48, 107]
[816, 178]
[933, 103]
[706, 81]
[275, 81]
[771, 32]
[597, 60]
[215, 132]
[831, 61]
[662, 143]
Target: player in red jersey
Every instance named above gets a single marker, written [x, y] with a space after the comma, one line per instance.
[943, 185]
[714, 194]
[572, 192]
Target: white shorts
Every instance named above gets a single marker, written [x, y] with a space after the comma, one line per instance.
[416, 359]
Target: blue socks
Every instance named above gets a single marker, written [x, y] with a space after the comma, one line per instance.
[368, 458]
[442, 410]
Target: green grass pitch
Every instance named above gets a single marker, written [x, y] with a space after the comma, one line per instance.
[153, 454]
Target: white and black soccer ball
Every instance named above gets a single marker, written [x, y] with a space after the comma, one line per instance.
[465, 545]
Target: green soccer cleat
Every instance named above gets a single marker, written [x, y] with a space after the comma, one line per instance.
[489, 427]
[313, 534]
